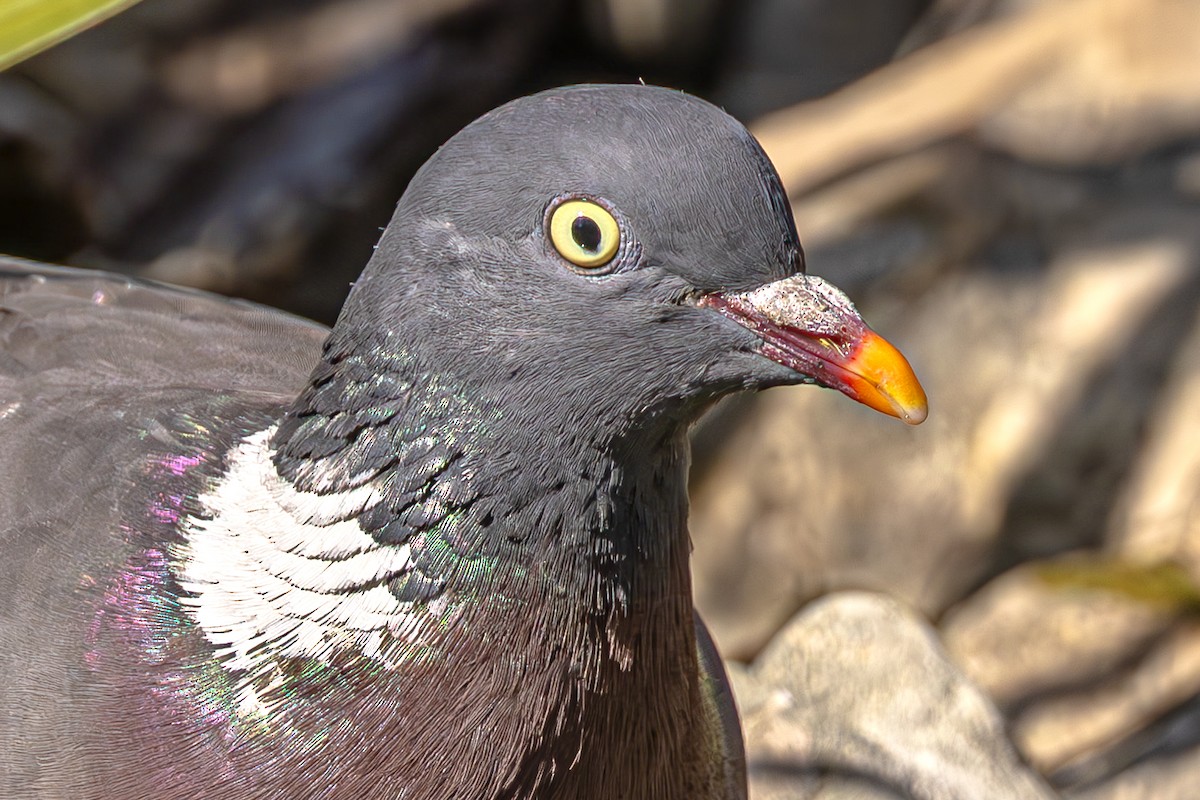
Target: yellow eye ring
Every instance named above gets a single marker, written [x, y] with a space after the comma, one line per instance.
[584, 233]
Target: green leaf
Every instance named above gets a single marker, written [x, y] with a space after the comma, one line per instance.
[30, 26]
[1166, 585]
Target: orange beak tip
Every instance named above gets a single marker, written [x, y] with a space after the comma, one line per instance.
[885, 380]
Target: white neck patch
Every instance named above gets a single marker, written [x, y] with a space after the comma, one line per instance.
[276, 573]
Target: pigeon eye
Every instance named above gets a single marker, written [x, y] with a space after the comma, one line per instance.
[584, 233]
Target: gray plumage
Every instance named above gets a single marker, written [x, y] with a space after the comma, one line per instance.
[441, 552]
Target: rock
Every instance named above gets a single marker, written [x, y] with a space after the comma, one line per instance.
[856, 698]
[1099, 659]
[1136, 734]
[1174, 777]
[1125, 83]
[1071, 727]
[1159, 516]
[1072, 83]
[1024, 635]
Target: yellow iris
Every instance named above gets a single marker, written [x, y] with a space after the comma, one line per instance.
[584, 233]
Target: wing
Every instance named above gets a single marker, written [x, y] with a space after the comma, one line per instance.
[91, 366]
[718, 697]
[77, 323]
[95, 371]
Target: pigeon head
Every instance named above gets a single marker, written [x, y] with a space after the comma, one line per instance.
[600, 263]
[616, 253]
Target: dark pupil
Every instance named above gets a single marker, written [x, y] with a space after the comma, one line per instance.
[586, 233]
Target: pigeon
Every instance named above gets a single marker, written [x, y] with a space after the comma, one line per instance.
[441, 549]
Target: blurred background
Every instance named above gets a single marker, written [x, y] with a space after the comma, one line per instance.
[1009, 189]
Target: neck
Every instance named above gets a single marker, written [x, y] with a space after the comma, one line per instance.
[454, 475]
[556, 595]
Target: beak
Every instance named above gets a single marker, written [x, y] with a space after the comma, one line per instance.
[809, 326]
